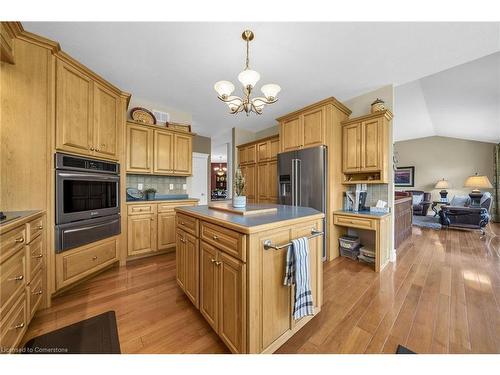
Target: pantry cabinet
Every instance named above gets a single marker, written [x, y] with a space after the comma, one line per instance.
[158, 151]
[260, 174]
[87, 114]
[365, 140]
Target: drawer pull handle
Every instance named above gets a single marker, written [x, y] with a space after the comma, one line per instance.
[18, 326]
[183, 240]
[20, 240]
[213, 260]
[40, 227]
[38, 256]
[218, 263]
[38, 292]
[94, 258]
[17, 278]
[215, 237]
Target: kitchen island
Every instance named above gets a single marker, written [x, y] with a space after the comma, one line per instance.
[232, 268]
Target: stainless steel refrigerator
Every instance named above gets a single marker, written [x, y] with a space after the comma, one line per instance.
[302, 180]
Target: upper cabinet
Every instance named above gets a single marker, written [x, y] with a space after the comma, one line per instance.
[87, 114]
[308, 127]
[365, 141]
[158, 151]
[6, 43]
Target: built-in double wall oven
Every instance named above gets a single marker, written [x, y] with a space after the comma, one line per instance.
[87, 200]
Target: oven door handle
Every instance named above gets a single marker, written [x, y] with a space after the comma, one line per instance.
[88, 227]
[86, 176]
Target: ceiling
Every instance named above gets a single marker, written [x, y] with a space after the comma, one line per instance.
[461, 102]
[178, 63]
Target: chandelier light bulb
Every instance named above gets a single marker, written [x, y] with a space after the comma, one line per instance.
[270, 91]
[224, 88]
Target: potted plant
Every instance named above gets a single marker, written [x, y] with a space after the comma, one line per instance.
[239, 200]
[149, 193]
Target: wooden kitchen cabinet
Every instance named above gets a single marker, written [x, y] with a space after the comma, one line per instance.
[87, 114]
[209, 285]
[365, 158]
[166, 230]
[163, 153]
[182, 154]
[310, 126]
[261, 175]
[187, 261]
[142, 232]
[159, 152]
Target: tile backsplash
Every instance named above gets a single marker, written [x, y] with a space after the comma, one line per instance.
[160, 183]
[374, 192]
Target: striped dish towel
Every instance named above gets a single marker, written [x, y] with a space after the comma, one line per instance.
[297, 272]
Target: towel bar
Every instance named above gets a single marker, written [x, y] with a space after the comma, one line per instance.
[269, 245]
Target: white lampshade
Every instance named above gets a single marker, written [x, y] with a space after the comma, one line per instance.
[249, 77]
[270, 91]
[478, 182]
[224, 88]
[442, 184]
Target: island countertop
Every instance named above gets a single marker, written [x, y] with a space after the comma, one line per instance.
[253, 223]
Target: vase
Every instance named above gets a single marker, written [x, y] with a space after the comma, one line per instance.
[239, 201]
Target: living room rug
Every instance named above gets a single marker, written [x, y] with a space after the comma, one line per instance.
[426, 222]
[96, 335]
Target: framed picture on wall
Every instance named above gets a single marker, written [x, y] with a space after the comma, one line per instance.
[404, 177]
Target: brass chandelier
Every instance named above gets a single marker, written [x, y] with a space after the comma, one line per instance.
[248, 79]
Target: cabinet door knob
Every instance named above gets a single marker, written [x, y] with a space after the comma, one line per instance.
[182, 223]
[38, 256]
[37, 293]
[218, 263]
[94, 258]
[16, 278]
[91, 148]
[18, 326]
[215, 237]
[213, 260]
[20, 240]
[40, 227]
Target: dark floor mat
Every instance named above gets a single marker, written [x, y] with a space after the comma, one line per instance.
[96, 335]
[404, 350]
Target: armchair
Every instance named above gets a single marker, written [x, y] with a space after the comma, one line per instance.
[421, 202]
[467, 217]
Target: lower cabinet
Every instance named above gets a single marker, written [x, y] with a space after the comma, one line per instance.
[166, 230]
[222, 295]
[187, 261]
[141, 234]
[76, 264]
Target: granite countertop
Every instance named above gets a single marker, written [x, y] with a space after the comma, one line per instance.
[370, 214]
[256, 222]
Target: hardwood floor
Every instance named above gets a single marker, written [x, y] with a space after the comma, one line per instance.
[441, 296]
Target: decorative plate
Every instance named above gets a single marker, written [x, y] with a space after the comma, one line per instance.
[134, 193]
[140, 114]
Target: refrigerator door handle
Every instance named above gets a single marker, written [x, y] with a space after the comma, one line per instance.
[298, 175]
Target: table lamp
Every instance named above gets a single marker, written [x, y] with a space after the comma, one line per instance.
[443, 185]
[477, 182]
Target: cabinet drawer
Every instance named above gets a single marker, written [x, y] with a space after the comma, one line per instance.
[141, 209]
[224, 239]
[13, 327]
[11, 242]
[170, 206]
[356, 222]
[35, 292]
[187, 223]
[34, 228]
[82, 262]
[34, 257]
[12, 280]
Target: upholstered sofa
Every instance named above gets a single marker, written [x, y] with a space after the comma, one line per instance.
[421, 202]
[466, 217]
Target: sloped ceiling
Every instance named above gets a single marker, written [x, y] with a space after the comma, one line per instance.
[178, 63]
[461, 102]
